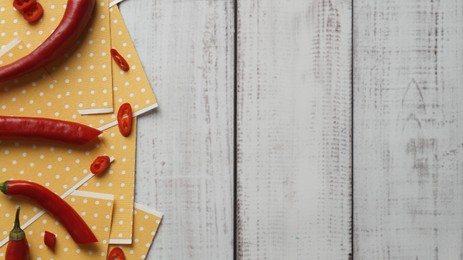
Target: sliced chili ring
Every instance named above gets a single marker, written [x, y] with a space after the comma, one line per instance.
[100, 164]
[22, 5]
[124, 119]
[50, 240]
[33, 13]
[116, 254]
[121, 62]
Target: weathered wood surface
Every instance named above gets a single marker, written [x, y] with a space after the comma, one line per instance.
[294, 129]
[185, 149]
[408, 141]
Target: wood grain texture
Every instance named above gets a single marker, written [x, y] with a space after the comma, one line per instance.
[294, 129]
[185, 149]
[408, 122]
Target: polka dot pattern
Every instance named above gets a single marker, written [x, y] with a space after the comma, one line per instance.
[146, 224]
[47, 93]
[92, 209]
[40, 94]
[119, 180]
[33, 95]
[59, 167]
[84, 69]
[132, 86]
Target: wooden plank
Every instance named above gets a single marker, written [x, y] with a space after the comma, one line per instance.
[294, 129]
[408, 184]
[185, 149]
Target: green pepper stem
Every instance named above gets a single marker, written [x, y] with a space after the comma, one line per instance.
[4, 187]
[17, 225]
[17, 233]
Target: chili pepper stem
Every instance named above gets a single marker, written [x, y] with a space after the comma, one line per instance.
[4, 187]
[17, 233]
[56, 206]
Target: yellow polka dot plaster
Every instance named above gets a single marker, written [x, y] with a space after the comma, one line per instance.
[146, 224]
[119, 180]
[132, 86]
[94, 208]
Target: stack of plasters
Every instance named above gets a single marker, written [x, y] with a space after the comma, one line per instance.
[86, 87]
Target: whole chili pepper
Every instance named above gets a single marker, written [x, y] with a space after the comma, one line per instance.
[76, 17]
[45, 129]
[53, 204]
[18, 248]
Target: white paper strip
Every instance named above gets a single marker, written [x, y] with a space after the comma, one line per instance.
[95, 195]
[114, 2]
[147, 209]
[93, 111]
[9, 46]
[115, 241]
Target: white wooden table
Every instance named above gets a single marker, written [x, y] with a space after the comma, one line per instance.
[326, 129]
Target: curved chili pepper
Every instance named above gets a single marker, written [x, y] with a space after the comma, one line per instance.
[53, 204]
[45, 129]
[18, 248]
[76, 17]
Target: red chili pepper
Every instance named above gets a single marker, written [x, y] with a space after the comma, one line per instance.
[75, 20]
[18, 248]
[50, 240]
[100, 164]
[116, 254]
[45, 129]
[22, 5]
[121, 62]
[124, 119]
[34, 13]
[52, 203]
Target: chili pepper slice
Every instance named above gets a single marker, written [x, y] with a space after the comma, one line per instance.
[33, 13]
[100, 164]
[124, 119]
[45, 129]
[18, 248]
[74, 22]
[52, 203]
[22, 5]
[116, 254]
[50, 240]
[120, 61]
